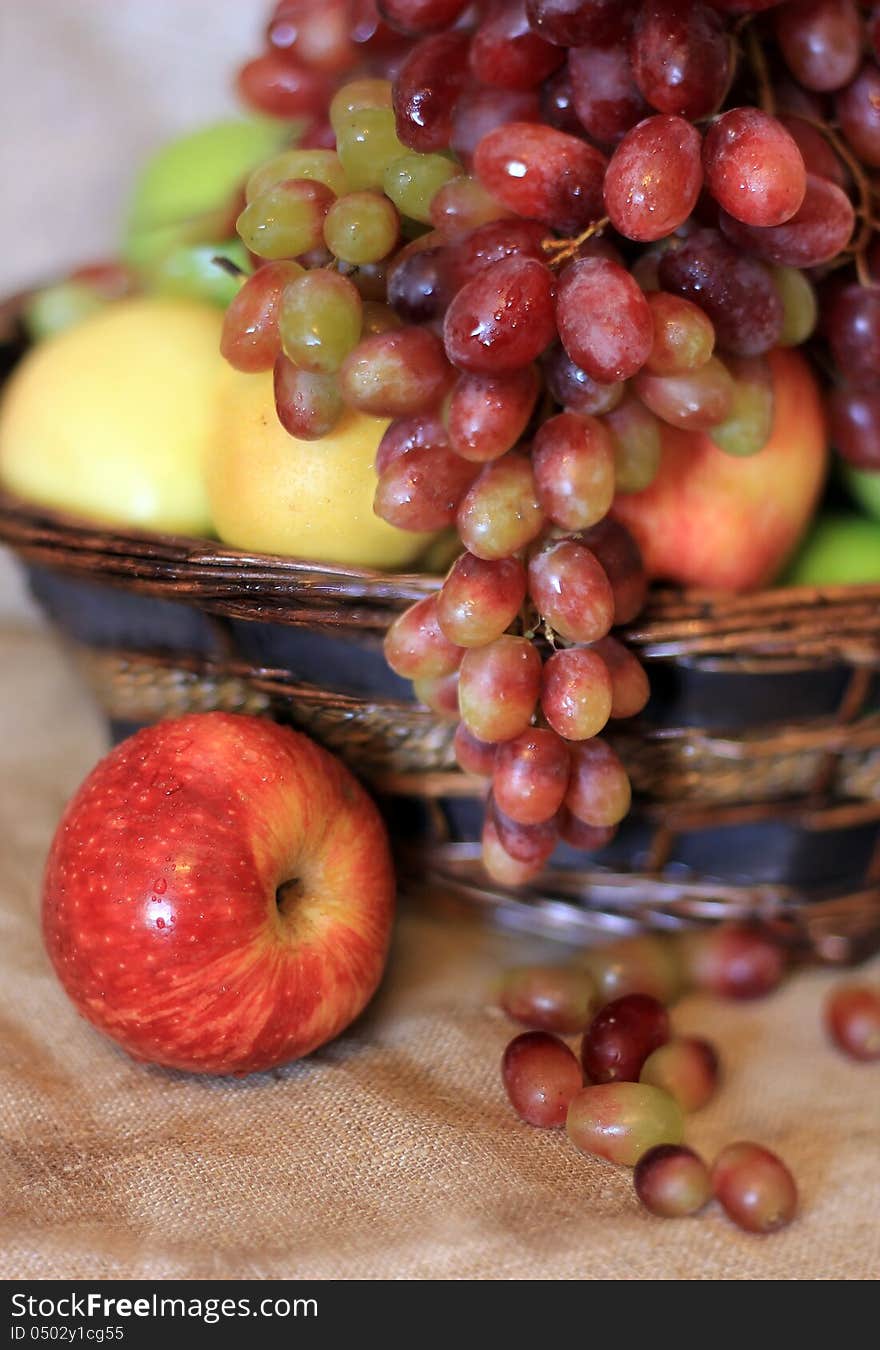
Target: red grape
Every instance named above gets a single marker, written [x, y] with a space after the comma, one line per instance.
[506, 52]
[821, 41]
[494, 242]
[317, 36]
[695, 400]
[858, 112]
[529, 844]
[274, 84]
[735, 291]
[486, 415]
[638, 965]
[816, 233]
[685, 1067]
[395, 374]
[755, 1188]
[585, 838]
[654, 178]
[684, 337]
[854, 416]
[480, 599]
[531, 776]
[576, 693]
[502, 319]
[621, 1037]
[599, 791]
[419, 16]
[250, 340]
[573, 387]
[481, 110]
[573, 463]
[816, 150]
[308, 406]
[549, 998]
[543, 174]
[500, 513]
[681, 57]
[621, 561]
[603, 318]
[473, 755]
[426, 90]
[630, 689]
[570, 23]
[440, 694]
[605, 96]
[540, 1076]
[421, 489]
[852, 1016]
[415, 645]
[622, 1121]
[499, 687]
[571, 591]
[672, 1181]
[419, 284]
[424, 431]
[737, 961]
[461, 205]
[754, 168]
[499, 864]
[852, 321]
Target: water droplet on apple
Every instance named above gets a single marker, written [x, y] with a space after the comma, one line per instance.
[160, 885]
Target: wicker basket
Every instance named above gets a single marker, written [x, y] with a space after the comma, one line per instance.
[756, 765]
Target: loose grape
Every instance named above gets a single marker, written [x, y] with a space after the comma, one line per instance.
[753, 167]
[736, 292]
[573, 387]
[499, 865]
[395, 374]
[654, 178]
[630, 689]
[480, 599]
[684, 337]
[573, 463]
[604, 320]
[250, 340]
[415, 645]
[571, 591]
[858, 112]
[621, 1037]
[542, 174]
[681, 57]
[737, 961]
[687, 1068]
[462, 204]
[502, 319]
[320, 321]
[576, 696]
[852, 1017]
[274, 84]
[480, 110]
[599, 792]
[440, 694]
[473, 755]
[695, 400]
[500, 513]
[755, 1188]
[637, 444]
[361, 227]
[638, 965]
[308, 405]
[427, 88]
[799, 305]
[285, 220]
[421, 490]
[622, 1121]
[621, 561]
[529, 844]
[531, 776]
[486, 415]
[367, 143]
[499, 687]
[321, 166]
[540, 1076]
[815, 234]
[821, 41]
[507, 53]
[357, 95]
[570, 23]
[672, 1181]
[746, 428]
[606, 99]
[549, 998]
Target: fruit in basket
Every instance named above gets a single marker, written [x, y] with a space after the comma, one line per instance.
[219, 894]
[720, 522]
[840, 550]
[112, 418]
[272, 493]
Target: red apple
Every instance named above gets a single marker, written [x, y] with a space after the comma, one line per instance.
[721, 523]
[219, 895]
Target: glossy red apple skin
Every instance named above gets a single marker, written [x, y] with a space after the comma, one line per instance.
[159, 896]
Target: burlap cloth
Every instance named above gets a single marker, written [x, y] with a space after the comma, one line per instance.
[391, 1154]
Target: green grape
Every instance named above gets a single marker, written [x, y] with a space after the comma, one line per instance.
[367, 143]
[361, 227]
[747, 426]
[637, 444]
[413, 181]
[319, 321]
[57, 307]
[357, 95]
[286, 220]
[321, 166]
[800, 309]
[196, 271]
[379, 318]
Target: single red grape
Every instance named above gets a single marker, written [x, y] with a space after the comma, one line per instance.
[540, 1076]
[753, 167]
[654, 178]
[500, 513]
[427, 88]
[274, 84]
[395, 374]
[308, 406]
[571, 591]
[621, 561]
[603, 318]
[816, 233]
[499, 687]
[506, 52]
[821, 41]
[622, 1121]
[529, 844]
[852, 1016]
[755, 1188]
[542, 174]
[858, 112]
[561, 999]
[573, 463]
[486, 415]
[672, 1181]
[735, 291]
[473, 755]
[739, 961]
[421, 490]
[250, 340]
[502, 319]
[605, 95]
[854, 416]
[480, 599]
[681, 57]
[621, 1037]
[599, 792]
[499, 865]
[630, 689]
[570, 23]
[531, 776]
[687, 1068]
[695, 400]
[576, 693]
[416, 646]
[573, 387]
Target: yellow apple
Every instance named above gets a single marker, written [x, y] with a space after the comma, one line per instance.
[272, 493]
[111, 419]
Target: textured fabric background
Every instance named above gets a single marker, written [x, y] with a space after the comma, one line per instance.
[391, 1154]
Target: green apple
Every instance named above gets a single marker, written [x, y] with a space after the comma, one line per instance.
[211, 272]
[841, 550]
[865, 487]
[60, 306]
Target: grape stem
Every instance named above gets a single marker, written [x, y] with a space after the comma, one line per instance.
[563, 249]
[758, 62]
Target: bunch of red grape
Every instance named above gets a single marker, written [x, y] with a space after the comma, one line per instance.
[531, 233]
